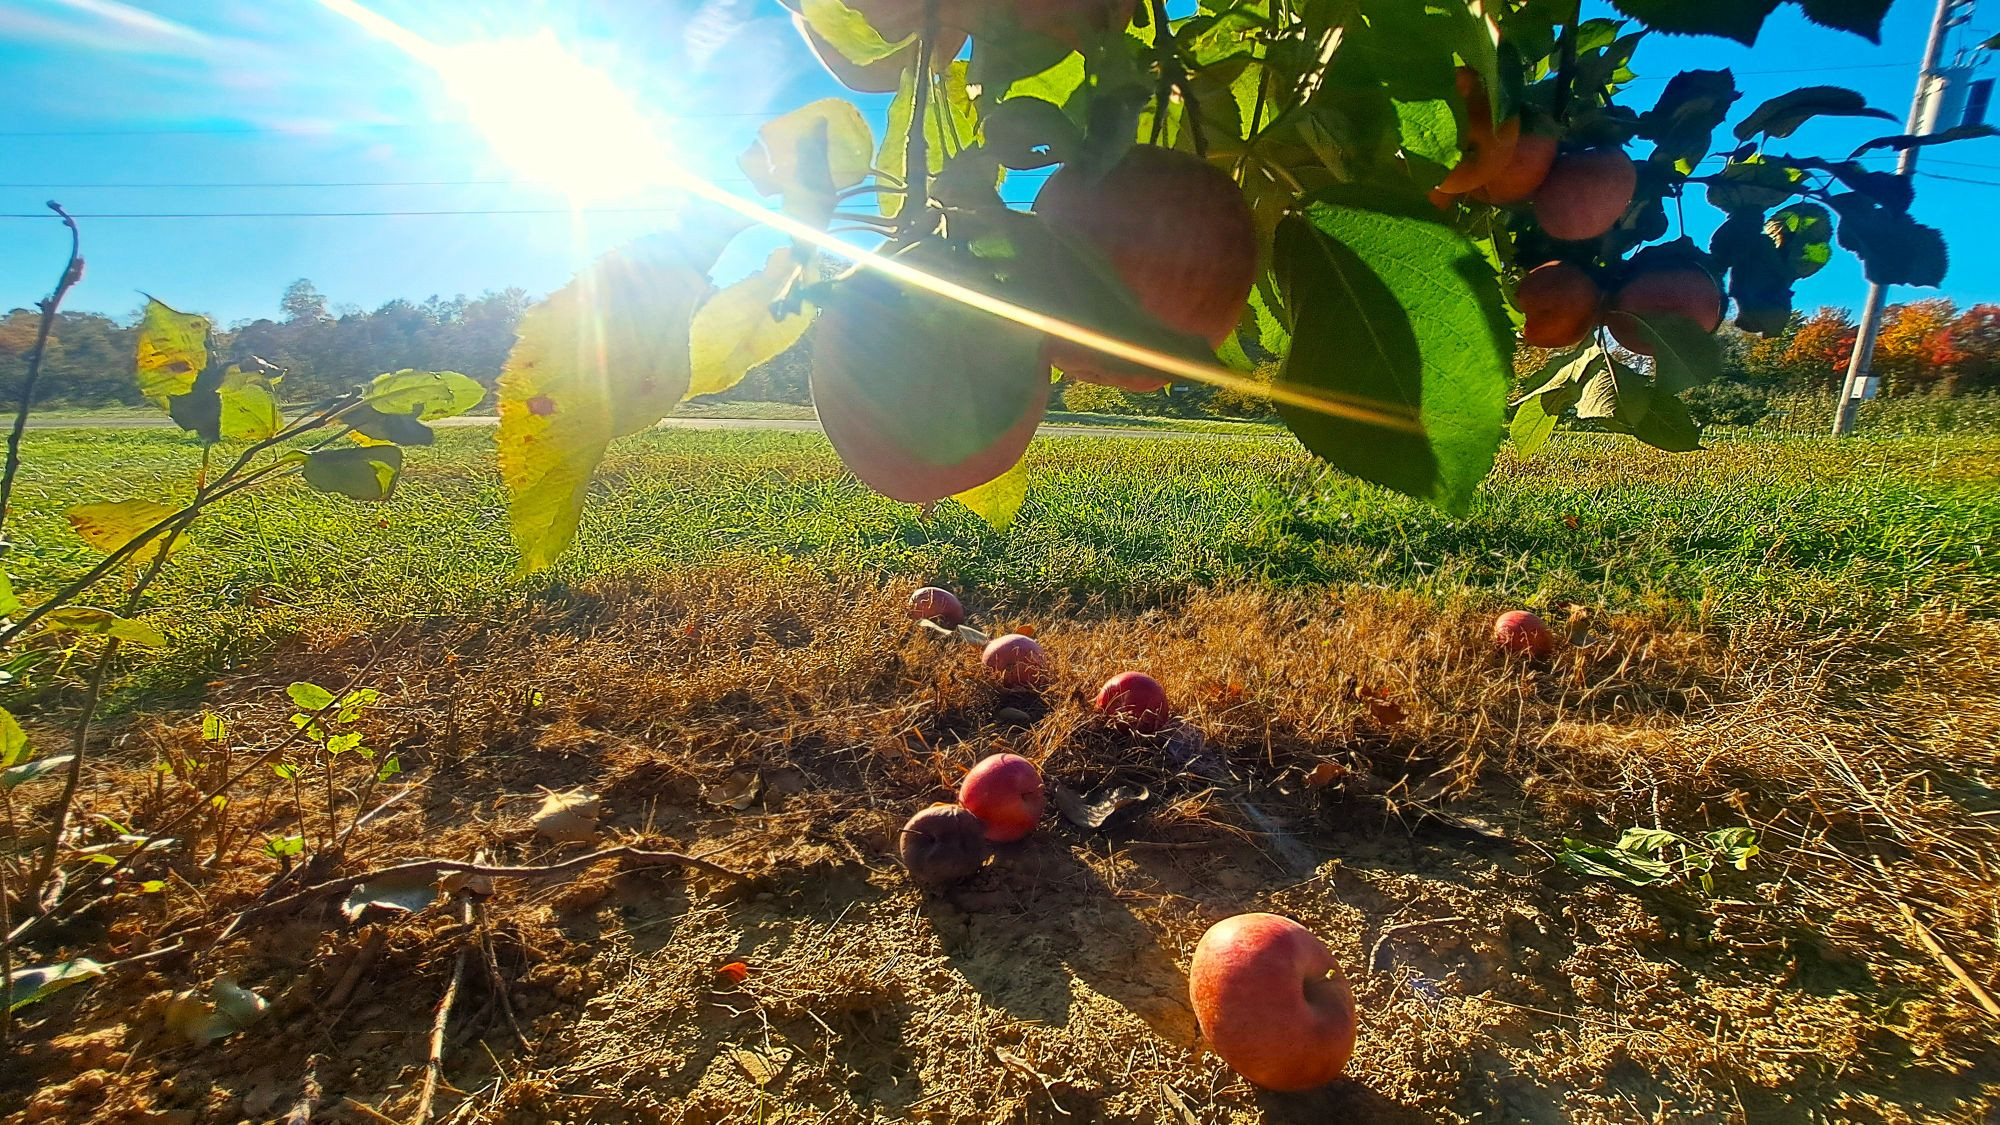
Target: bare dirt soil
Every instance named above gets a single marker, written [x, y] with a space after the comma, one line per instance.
[1361, 761]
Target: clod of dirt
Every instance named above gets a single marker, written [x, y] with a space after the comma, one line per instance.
[1100, 807]
[943, 844]
[569, 817]
[764, 1067]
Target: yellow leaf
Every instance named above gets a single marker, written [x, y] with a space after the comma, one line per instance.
[173, 349]
[999, 500]
[249, 412]
[110, 526]
[734, 331]
[810, 153]
[603, 357]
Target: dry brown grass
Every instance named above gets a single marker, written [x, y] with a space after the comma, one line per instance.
[1493, 984]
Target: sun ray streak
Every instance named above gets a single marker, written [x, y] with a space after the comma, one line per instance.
[655, 158]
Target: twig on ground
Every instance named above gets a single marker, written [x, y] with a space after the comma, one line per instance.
[336, 1001]
[434, 1066]
[1930, 942]
[435, 867]
[309, 1094]
[494, 977]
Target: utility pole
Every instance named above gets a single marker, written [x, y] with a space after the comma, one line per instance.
[1860, 374]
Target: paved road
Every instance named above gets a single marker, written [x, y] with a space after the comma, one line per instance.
[792, 425]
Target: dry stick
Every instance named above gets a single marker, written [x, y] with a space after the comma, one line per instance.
[71, 274]
[1930, 942]
[309, 1094]
[434, 1067]
[436, 867]
[496, 980]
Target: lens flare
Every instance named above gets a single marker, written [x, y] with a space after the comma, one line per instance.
[605, 141]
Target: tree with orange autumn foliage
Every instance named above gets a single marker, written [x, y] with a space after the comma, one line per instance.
[1913, 349]
[1974, 343]
[1819, 350]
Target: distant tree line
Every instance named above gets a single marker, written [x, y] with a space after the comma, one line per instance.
[1925, 347]
[323, 350]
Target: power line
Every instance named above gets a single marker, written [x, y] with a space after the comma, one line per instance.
[1958, 179]
[1787, 70]
[330, 127]
[520, 211]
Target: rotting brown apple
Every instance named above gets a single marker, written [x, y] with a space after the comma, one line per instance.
[942, 844]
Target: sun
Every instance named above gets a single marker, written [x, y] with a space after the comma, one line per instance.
[555, 119]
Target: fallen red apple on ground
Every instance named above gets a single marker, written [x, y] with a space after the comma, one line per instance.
[942, 844]
[934, 603]
[1020, 660]
[1520, 633]
[1005, 793]
[1272, 1002]
[1135, 700]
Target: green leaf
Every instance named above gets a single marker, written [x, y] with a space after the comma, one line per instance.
[1616, 396]
[365, 473]
[1536, 415]
[387, 429]
[309, 696]
[26, 986]
[1754, 184]
[737, 328]
[1647, 841]
[214, 728]
[173, 351]
[109, 526]
[1740, 20]
[1030, 133]
[999, 500]
[1428, 130]
[1803, 234]
[1606, 863]
[33, 771]
[605, 356]
[1683, 122]
[1894, 249]
[849, 31]
[280, 846]
[1398, 314]
[13, 740]
[199, 411]
[424, 395]
[1781, 116]
[343, 742]
[1685, 355]
[1862, 17]
[1902, 141]
[246, 411]
[1890, 190]
[1057, 85]
[103, 622]
[9, 603]
[1005, 53]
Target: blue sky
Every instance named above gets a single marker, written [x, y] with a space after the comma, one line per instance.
[146, 107]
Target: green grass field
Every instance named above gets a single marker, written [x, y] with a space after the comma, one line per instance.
[1800, 528]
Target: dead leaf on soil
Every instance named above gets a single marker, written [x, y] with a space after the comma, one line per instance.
[1094, 810]
[227, 1009]
[1325, 774]
[389, 897]
[738, 791]
[764, 1067]
[569, 817]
